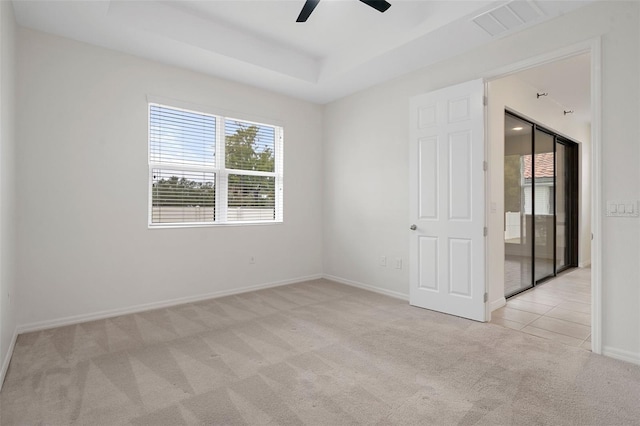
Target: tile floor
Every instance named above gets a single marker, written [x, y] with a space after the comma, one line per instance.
[559, 309]
[517, 271]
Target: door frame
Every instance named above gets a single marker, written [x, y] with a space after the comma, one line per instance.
[594, 47]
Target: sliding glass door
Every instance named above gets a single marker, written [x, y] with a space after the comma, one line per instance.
[540, 203]
[517, 232]
[566, 208]
[543, 199]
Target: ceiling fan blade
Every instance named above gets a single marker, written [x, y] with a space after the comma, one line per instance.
[379, 5]
[306, 10]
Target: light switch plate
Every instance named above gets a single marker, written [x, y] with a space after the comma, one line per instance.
[622, 208]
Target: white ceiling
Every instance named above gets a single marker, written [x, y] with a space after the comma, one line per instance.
[567, 82]
[345, 46]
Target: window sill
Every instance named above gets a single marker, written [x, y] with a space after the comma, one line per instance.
[211, 225]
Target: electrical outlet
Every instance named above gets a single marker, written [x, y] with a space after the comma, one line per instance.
[383, 260]
[398, 263]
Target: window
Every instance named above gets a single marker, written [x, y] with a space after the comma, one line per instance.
[206, 170]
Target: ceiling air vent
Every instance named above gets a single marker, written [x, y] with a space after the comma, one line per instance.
[514, 14]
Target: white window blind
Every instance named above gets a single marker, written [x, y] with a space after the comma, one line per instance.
[183, 196]
[249, 146]
[207, 169]
[181, 137]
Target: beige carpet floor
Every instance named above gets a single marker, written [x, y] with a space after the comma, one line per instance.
[310, 353]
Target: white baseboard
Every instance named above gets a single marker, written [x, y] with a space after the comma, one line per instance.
[7, 359]
[497, 304]
[351, 283]
[632, 357]
[586, 264]
[76, 319]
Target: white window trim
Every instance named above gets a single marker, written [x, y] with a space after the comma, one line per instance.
[221, 173]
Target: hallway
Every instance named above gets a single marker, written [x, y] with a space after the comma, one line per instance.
[559, 309]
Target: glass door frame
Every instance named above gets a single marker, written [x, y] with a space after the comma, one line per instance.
[571, 201]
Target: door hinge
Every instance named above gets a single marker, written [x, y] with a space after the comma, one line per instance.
[485, 166]
[485, 231]
[486, 297]
[485, 101]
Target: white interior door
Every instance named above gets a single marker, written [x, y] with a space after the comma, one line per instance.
[447, 268]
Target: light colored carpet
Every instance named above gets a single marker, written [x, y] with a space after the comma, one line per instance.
[310, 353]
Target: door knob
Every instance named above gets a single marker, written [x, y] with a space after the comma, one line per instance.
[413, 227]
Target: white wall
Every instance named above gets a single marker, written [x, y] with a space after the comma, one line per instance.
[517, 96]
[84, 246]
[7, 185]
[366, 160]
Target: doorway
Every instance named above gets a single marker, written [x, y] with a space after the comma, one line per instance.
[541, 204]
[496, 100]
[561, 90]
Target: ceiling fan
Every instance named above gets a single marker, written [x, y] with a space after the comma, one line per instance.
[309, 5]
